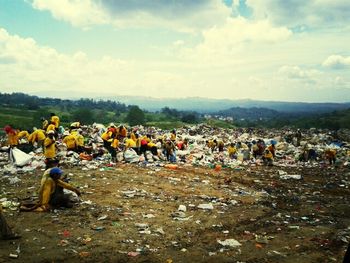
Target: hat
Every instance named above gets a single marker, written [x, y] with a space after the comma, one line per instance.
[51, 132]
[112, 124]
[56, 170]
[66, 133]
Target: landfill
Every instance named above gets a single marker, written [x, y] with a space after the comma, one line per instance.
[203, 207]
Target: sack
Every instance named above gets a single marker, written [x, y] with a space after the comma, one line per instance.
[131, 156]
[19, 158]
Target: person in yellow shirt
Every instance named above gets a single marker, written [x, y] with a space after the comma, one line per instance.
[37, 137]
[51, 194]
[130, 143]
[44, 124]
[330, 155]
[55, 120]
[12, 136]
[70, 141]
[268, 157]
[5, 231]
[23, 135]
[220, 145]
[173, 136]
[151, 146]
[232, 151]
[133, 135]
[51, 127]
[80, 141]
[122, 133]
[50, 147]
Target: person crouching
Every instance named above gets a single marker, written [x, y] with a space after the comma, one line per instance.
[51, 193]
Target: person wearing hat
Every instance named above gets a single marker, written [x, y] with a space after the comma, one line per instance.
[50, 193]
[5, 231]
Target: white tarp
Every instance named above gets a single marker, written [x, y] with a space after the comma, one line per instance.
[19, 158]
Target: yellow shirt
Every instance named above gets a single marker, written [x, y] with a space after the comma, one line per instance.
[151, 144]
[70, 141]
[106, 135]
[22, 134]
[56, 120]
[48, 187]
[50, 148]
[51, 127]
[45, 123]
[130, 143]
[115, 143]
[122, 132]
[231, 150]
[268, 155]
[79, 139]
[133, 136]
[12, 138]
[37, 135]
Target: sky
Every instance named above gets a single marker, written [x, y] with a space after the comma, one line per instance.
[279, 50]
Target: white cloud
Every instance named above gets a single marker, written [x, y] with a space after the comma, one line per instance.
[314, 13]
[234, 41]
[336, 62]
[295, 72]
[82, 13]
[181, 15]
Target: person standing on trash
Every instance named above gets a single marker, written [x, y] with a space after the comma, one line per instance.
[44, 123]
[50, 147]
[169, 149]
[272, 148]
[268, 158]
[220, 146]
[330, 155]
[298, 136]
[173, 136]
[80, 141]
[121, 133]
[51, 127]
[50, 194]
[232, 151]
[255, 149]
[5, 231]
[55, 120]
[12, 136]
[108, 138]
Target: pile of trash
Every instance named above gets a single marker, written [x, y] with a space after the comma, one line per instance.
[290, 149]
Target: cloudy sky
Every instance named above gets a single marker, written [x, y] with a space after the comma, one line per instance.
[287, 50]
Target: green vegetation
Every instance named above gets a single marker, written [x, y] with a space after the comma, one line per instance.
[24, 112]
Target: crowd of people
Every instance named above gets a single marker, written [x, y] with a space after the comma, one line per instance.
[93, 141]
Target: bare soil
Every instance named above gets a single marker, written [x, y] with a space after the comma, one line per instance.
[275, 220]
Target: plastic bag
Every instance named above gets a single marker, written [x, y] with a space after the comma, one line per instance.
[19, 158]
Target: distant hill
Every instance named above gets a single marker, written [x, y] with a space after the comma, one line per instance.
[252, 114]
[206, 105]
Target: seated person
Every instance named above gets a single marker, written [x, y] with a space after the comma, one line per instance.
[51, 193]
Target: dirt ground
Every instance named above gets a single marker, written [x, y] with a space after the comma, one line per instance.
[274, 220]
